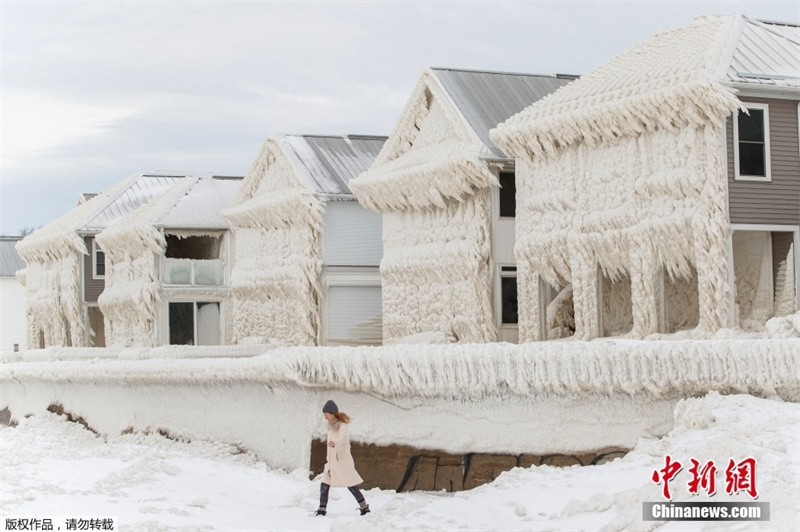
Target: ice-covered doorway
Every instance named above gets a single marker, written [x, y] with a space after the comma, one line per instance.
[617, 310]
[681, 302]
[559, 311]
[194, 323]
[97, 330]
[765, 276]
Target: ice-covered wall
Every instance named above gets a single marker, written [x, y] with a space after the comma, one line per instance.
[433, 191]
[622, 172]
[436, 272]
[276, 221]
[541, 398]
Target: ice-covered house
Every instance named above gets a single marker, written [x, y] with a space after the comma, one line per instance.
[661, 192]
[306, 253]
[167, 266]
[65, 268]
[12, 297]
[446, 195]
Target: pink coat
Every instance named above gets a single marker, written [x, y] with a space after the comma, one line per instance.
[340, 470]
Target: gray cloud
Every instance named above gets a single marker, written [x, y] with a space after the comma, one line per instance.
[198, 86]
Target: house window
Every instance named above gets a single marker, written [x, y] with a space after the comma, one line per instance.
[98, 261]
[194, 323]
[751, 143]
[508, 290]
[508, 195]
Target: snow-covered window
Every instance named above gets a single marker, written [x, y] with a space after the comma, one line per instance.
[508, 194]
[98, 262]
[508, 289]
[751, 143]
[194, 323]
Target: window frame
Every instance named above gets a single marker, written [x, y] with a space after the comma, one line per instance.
[500, 215]
[767, 157]
[96, 249]
[506, 272]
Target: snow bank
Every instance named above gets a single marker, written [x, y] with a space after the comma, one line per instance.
[53, 467]
[540, 398]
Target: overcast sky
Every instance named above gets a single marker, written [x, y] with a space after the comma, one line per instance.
[95, 91]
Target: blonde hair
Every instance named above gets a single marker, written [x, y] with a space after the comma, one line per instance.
[341, 416]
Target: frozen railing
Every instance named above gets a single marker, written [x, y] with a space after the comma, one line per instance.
[194, 272]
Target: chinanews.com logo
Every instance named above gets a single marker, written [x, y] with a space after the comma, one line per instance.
[740, 477]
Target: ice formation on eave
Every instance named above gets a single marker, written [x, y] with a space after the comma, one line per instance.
[133, 247]
[276, 219]
[431, 138]
[433, 190]
[624, 170]
[52, 278]
[667, 81]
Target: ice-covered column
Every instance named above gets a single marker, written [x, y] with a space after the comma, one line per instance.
[583, 265]
[645, 280]
[529, 299]
[712, 233]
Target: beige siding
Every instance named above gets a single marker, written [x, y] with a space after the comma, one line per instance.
[92, 288]
[776, 202]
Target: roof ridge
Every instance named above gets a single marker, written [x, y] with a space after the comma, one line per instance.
[500, 72]
[764, 25]
[331, 135]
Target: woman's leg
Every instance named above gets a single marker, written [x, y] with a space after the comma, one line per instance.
[324, 489]
[362, 503]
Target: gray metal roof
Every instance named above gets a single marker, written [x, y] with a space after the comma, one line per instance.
[10, 261]
[767, 53]
[144, 188]
[201, 206]
[330, 162]
[486, 99]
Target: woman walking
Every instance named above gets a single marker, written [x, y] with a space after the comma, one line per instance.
[340, 471]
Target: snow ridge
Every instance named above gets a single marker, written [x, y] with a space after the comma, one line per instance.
[664, 369]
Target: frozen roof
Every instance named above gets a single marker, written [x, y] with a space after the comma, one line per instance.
[330, 162]
[670, 79]
[141, 190]
[201, 205]
[486, 99]
[766, 53]
[10, 261]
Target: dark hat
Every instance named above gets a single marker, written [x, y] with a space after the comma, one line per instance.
[330, 407]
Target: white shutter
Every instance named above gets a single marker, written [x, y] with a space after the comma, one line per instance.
[354, 313]
[352, 235]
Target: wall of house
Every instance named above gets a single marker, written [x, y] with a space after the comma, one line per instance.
[55, 313]
[12, 312]
[92, 288]
[436, 273]
[632, 207]
[275, 285]
[776, 202]
[129, 300]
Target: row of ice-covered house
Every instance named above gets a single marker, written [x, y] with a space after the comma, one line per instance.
[658, 193]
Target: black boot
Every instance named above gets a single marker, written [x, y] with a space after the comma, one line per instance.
[364, 510]
[321, 512]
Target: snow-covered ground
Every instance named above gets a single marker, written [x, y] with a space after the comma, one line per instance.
[55, 468]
